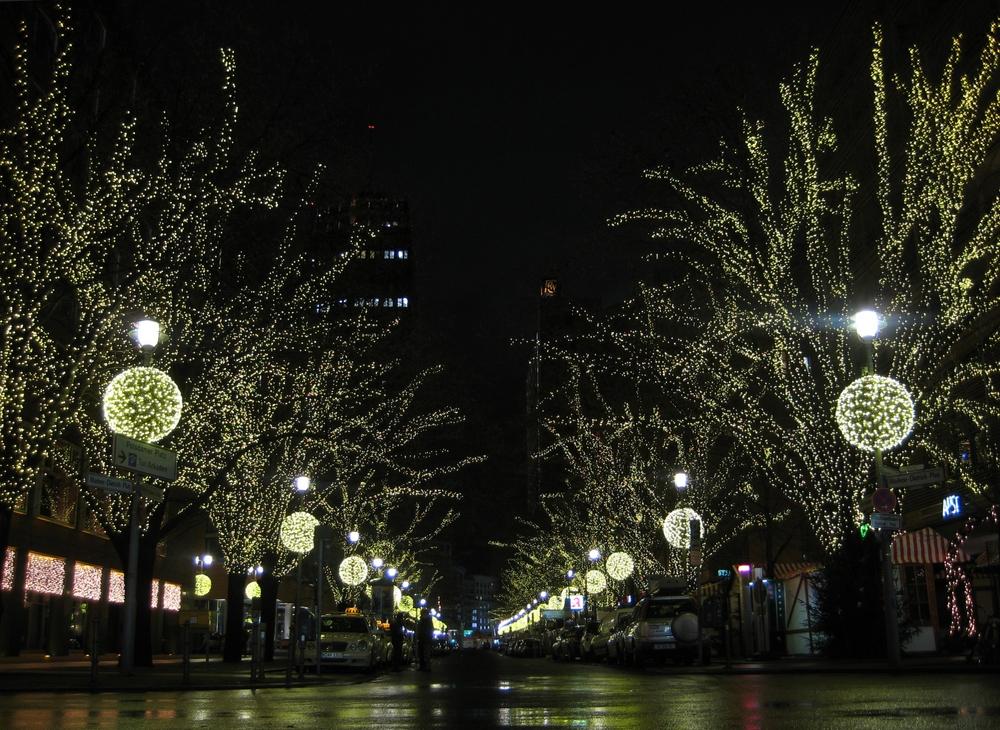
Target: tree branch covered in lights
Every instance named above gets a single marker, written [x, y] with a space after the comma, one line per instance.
[773, 253]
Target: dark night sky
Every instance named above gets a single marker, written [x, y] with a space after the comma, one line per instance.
[514, 133]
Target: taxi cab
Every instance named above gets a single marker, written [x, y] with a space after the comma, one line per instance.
[346, 639]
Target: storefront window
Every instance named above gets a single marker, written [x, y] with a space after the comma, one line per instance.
[45, 574]
[87, 581]
[116, 587]
[8, 569]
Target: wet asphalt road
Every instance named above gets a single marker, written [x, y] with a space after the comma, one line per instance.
[480, 689]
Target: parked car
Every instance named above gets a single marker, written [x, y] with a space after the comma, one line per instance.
[348, 640]
[591, 632]
[567, 645]
[663, 627]
[601, 642]
[619, 634]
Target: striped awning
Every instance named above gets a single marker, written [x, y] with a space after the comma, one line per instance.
[917, 548]
[784, 571]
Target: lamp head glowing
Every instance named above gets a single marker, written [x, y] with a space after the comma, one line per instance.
[681, 480]
[423, 601]
[392, 572]
[377, 563]
[594, 554]
[353, 537]
[543, 595]
[866, 323]
[570, 573]
[147, 333]
[406, 584]
[302, 484]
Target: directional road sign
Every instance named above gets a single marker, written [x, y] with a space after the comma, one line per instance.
[915, 478]
[150, 492]
[100, 481]
[138, 456]
[887, 521]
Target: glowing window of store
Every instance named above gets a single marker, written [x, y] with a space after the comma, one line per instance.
[45, 574]
[171, 597]
[87, 581]
[8, 569]
[154, 596]
[116, 587]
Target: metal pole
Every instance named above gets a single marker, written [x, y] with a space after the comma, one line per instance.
[94, 654]
[300, 648]
[131, 585]
[187, 652]
[319, 609]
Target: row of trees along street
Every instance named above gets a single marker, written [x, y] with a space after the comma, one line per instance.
[107, 221]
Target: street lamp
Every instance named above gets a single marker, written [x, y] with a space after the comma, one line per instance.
[680, 481]
[147, 335]
[594, 555]
[570, 573]
[422, 602]
[301, 484]
[866, 324]
[391, 573]
[353, 537]
[405, 584]
[377, 563]
[204, 561]
[543, 595]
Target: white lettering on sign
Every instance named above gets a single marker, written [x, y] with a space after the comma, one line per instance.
[951, 506]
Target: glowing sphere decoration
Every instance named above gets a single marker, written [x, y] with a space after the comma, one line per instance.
[406, 603]
[875, 413]
[143, 403]
[202, 585]
[677, 527]
[619, 565]
[297, 532]
[596, 582]
[252, 590]
[556, 602]
[353, 570]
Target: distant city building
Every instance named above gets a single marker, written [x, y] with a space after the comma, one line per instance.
[381, 275]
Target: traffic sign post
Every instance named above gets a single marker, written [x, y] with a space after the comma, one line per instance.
[884, 500]
[138, 456]
[884, 521]
[109, 484]
[910, 479]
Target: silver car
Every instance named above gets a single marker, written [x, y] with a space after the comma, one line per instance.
[662, 628]
[347, 640]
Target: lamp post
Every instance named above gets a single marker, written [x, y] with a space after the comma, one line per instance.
[301, 486]
[866, 324]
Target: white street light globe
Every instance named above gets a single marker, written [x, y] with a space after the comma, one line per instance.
[677, 527]
[406, 584]
[297, 531]
[147, 333]
[594, 554]
[143, 403]
[353, 536]
[377, 563]
[875, 413]
[391, 572]
[302, 484]
[207, 560]
[619, 565]
[352, 571]
[680, 481]
[866, 323]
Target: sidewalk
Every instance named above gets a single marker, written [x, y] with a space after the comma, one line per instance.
[929, 664]
[36, 673]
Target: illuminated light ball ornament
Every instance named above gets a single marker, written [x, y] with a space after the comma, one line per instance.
[619, 565]
[252, 590]
[406, 603]
[297, 532]
[677, 527]
[556, 602]
[202, 585]
[143, 403]
[875, 413]
[596, 582]
[353, 570]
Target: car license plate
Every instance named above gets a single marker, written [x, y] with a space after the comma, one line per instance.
[333, 655]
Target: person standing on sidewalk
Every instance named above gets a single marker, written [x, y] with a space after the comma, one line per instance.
[425, 637]
[396, 635]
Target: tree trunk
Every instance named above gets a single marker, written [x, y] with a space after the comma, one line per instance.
[232, 651]
[269, 611]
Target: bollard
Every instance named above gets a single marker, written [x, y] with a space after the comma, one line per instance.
[95, 655]
[186, 657]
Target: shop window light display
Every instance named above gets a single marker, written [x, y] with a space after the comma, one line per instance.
[87, 581]
[45, 574]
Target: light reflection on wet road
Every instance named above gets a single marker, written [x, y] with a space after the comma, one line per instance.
[478, 690]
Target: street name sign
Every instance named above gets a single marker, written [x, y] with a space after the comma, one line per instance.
[882, 521]
[915, 478]
[138, 456]
[110, 484]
